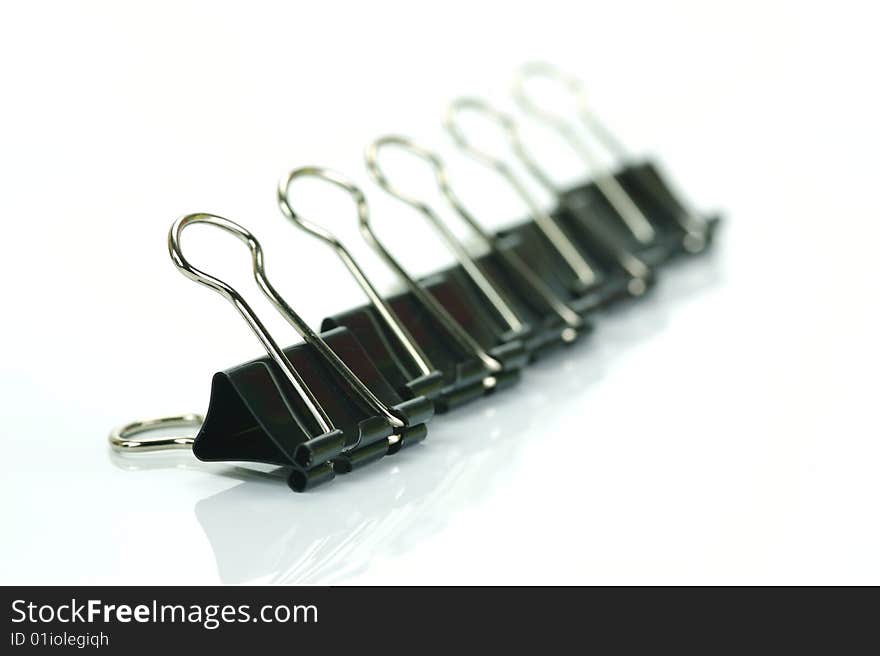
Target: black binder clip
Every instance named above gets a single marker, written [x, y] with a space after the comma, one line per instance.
[589, 267]
[636, 203]
[454, 341]
[320, 406]
[508, 297]
[394, 351]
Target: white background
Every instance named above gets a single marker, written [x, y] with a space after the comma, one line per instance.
[722, 431]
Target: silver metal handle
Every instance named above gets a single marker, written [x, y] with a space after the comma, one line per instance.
[253, 321]
[546, 223]
[492, 294]
[573, 87]
[393, 323]
[634, 219]
[122, 438]
[692, 222]
[274, 351]
[568, 315]
[452, 327]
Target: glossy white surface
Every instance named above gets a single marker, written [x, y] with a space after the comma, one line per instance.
[722, 431]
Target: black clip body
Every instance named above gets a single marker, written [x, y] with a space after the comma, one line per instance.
[650, 189]
[391, 361]
[542, 328]
[612, 282]
[587, 211]
[463, 375]
[452, 290]
[254, 415]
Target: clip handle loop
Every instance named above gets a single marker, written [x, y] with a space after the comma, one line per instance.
[253, 321]
[491, 292]
[551, 229]
[694, 224]
[122, 439]
[573, 87]
[625, 207]
[304, 330]
[569, 316]
[412, 348]
[452, 327]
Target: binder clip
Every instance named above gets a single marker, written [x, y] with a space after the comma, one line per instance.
[454, 341]
[394, 351]
[320, 407]
[635, 202]
[589, 267]
[508, 301]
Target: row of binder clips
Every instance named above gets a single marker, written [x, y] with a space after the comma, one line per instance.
[368, 383]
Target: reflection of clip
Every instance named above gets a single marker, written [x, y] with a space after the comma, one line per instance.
[307, 406]
[609, 250]
[645, 200]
